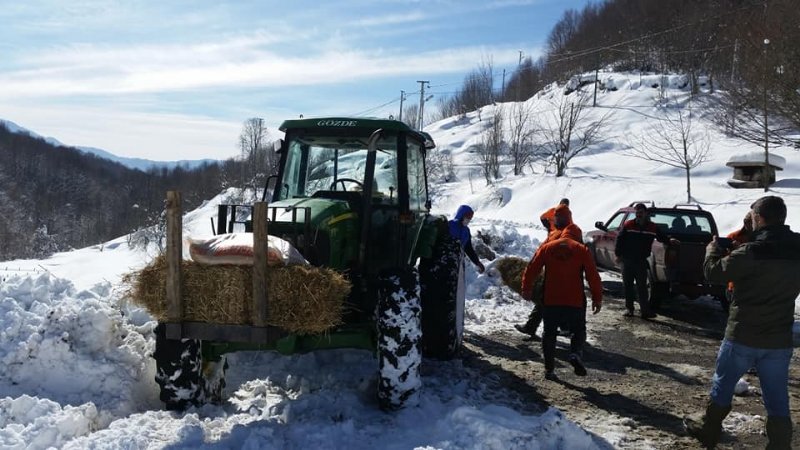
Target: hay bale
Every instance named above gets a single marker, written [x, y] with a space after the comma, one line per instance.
[301, 299]
[511, 268]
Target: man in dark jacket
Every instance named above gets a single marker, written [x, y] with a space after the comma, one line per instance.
[633, 246]
[759, 331]
[459, 230]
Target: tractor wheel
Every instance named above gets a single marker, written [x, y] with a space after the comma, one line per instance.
[398, 319]
[442, 293]
[182, 376]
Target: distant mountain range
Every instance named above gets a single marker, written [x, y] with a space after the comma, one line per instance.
[133, 163]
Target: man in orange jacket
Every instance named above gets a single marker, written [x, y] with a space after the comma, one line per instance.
[564, 227]
[564, 303]
[548, 217]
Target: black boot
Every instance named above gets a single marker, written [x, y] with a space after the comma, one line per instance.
[779, 433]
[708, 428]
[531, 325]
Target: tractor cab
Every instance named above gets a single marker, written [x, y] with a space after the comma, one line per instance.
[357, 186]
[351, 195]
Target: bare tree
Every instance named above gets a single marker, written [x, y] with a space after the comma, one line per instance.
[520, 146]
[567, 131]
[411, 115]
[489, 150]
[446, 106]
[755, 116]
[259, 157]
[673, 142]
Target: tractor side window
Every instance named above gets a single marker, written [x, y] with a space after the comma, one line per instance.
[417, 196]
[292, 182]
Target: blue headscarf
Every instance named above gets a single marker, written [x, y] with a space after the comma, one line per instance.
[456, 226]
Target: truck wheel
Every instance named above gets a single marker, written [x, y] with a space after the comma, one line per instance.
[442, 293]
[657, 291]
[182, 376]
[398, 319]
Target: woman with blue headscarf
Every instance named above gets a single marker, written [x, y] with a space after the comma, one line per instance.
[459, 230]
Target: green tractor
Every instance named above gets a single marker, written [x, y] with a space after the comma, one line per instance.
[352, 195]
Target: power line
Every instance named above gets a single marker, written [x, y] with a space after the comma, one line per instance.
[366, 111]
[611, 47]
[572, 55]
[675, 52]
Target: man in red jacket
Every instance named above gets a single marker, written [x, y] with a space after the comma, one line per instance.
[633, 246]
[564, 303]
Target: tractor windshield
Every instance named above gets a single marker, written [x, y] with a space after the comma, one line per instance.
[336, 163]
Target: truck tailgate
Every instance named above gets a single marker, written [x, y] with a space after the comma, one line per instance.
[686, 264]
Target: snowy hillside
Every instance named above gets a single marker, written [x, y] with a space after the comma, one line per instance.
[75, 368]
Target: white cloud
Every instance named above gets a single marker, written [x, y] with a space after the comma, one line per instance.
[393, 19]
[240, 62]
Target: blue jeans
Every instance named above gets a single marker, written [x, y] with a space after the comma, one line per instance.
[772, 365]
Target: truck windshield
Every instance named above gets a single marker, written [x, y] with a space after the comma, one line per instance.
[336, 163]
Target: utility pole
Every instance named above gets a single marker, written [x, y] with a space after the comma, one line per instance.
[503, 91]
[402, 97]
[766, 128]
[735, 59]
[594, 100]
[519, 64]
[421, 102]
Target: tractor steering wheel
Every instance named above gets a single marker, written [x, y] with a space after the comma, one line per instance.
[346, 180]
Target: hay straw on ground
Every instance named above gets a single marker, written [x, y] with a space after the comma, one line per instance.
[301, 299]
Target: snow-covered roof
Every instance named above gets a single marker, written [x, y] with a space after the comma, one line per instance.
[756, 159]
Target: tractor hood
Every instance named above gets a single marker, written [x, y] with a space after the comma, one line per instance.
[324, 211]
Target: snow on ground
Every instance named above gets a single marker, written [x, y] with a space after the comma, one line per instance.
[75, 370]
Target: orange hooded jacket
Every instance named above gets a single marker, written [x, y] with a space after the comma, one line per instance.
[571, 231]
[549, 217]
[565, 260]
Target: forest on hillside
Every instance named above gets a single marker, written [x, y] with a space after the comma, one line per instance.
[59, 198]
[747, 49]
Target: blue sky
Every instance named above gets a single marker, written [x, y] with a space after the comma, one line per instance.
[175, 79]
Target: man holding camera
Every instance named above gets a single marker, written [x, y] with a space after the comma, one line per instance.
[759, 330]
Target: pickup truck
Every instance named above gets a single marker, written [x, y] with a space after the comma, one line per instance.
[674, 269]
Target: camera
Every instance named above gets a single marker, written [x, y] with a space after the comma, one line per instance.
[725, 243]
